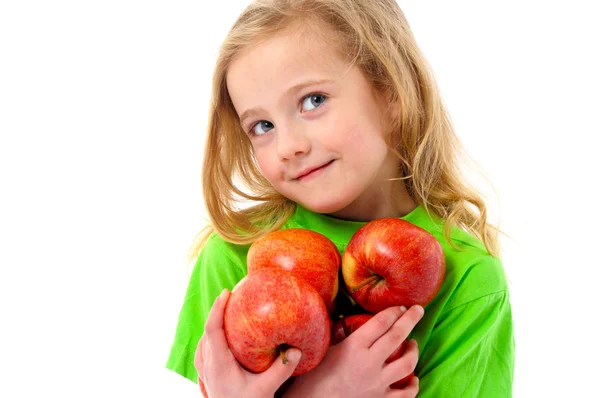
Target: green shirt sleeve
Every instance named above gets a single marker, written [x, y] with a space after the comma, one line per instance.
[470, 351]
[218, 267]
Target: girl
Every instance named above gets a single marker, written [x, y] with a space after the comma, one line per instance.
[325, 116]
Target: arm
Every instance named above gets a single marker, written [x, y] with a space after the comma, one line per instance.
[470, 352]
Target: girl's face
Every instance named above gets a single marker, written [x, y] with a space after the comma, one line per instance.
[316, 126]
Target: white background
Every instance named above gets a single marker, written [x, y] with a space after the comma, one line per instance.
[102, 115]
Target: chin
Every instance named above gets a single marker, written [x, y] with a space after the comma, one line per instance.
[324, 206]
[325, 199]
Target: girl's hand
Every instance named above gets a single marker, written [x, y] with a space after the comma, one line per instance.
[220, 374]
[356, 367]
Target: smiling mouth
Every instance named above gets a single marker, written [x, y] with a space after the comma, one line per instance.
[303, 176]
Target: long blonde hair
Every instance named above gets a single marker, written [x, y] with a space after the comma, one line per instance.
[375, 36]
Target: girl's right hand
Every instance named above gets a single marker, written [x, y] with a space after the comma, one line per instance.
[356, 367]
[220, 374]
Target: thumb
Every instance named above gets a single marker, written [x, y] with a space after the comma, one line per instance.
[279, 371]
[202, 388]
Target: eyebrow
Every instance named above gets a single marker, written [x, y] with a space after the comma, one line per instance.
[294, 89]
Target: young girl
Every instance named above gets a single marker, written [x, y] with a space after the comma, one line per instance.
[325, 116]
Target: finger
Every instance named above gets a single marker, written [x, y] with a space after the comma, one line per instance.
[199, 358]
[199, 365]
[279, 372]
[403, 366]
[202, 389]
[392, 339]
[410, 391]
[213, 329]
[375, 327]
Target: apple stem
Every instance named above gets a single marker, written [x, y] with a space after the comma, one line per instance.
[352, 301]
[365, 282]
[282, 350]
[283, 357]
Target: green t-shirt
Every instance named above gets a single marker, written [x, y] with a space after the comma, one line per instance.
[466, 344]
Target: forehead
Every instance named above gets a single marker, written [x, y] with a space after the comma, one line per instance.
[272, 66]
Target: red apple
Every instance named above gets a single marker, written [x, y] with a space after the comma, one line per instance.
[391, 262]
[345, 326]
[305, 253]
[270, 311]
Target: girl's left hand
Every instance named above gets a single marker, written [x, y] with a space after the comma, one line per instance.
[220, 374]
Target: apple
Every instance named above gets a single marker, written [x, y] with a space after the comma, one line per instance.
[269, 311]
[389, 262]
[345, 305]
[307, 254]
[345, 326]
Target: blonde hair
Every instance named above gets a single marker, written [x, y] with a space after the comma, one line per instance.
[375, 36]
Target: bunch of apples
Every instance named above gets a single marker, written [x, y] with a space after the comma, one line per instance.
[292, 295]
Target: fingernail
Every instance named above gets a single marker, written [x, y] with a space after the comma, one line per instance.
[420, 310]
[223, 292]
[403, 309]
[293, 355]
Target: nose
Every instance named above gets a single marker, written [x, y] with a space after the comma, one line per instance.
[292, 141]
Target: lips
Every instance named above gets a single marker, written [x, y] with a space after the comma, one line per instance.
[306, 172]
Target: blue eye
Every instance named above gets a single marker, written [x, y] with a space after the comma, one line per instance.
[261, 127]
[312, 101]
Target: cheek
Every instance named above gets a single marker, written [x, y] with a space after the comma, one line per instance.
[267, 164]
[357, 138]
[341, 132]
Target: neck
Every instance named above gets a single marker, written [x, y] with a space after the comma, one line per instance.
[392, 200]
